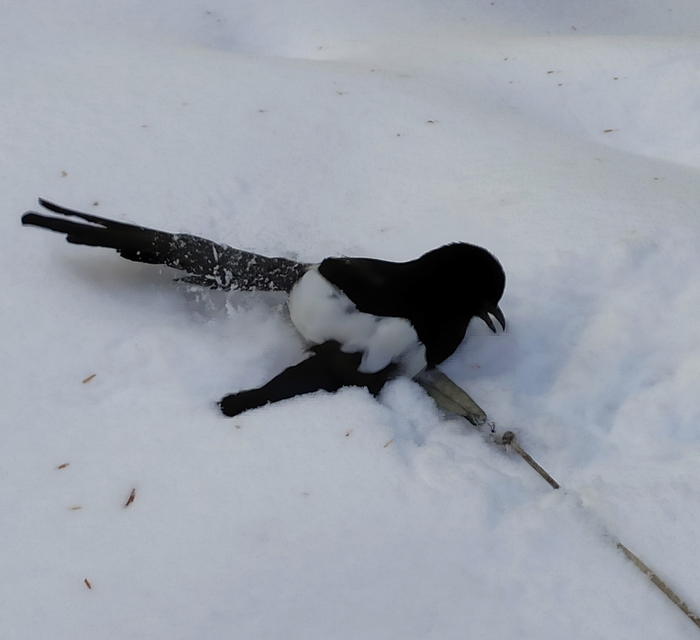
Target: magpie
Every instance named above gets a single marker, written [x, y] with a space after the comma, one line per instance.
[365, 320]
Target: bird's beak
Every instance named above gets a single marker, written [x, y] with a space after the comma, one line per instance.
[495, 311]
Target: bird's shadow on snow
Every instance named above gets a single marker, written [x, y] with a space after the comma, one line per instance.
[112, 274]
[118, 278]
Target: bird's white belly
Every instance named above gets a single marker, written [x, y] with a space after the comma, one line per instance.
[322, 312]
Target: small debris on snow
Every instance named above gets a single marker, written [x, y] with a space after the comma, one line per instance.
[132, 496]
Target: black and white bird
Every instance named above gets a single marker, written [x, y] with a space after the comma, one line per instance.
[366, 320]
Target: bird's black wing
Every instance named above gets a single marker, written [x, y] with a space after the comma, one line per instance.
[378, 287]
[328, 368]
[208, 263]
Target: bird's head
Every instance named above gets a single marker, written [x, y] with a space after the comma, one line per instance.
[475, 277]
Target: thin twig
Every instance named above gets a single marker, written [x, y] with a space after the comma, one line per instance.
[442, 389]
[663, 587]
[508, 438]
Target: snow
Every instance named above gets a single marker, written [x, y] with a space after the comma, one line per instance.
[562, 136]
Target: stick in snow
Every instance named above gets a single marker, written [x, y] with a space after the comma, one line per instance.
[444, 392]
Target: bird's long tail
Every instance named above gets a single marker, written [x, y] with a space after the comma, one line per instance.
[207, 263]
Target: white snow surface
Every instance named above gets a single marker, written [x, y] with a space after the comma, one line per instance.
[564, 136]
